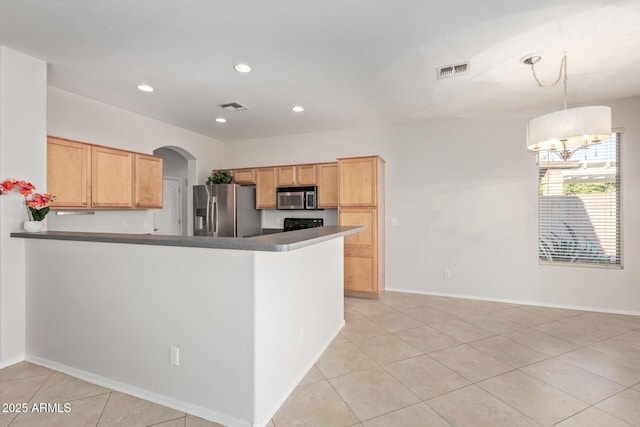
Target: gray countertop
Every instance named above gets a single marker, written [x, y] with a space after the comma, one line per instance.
[278, 242]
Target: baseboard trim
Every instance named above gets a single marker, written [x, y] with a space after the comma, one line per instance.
[520, 302]
[12, 361]
[178, 405]
[160, 399]
[300, 377]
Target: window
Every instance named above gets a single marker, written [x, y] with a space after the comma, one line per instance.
[579, 206]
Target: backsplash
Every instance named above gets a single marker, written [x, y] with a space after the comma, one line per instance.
[275, 218]
[131, 221]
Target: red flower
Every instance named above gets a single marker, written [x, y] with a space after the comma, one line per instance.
[37, 204]
[39, 200]
[24, 188]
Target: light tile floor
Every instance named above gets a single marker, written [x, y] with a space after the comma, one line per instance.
[413, 360]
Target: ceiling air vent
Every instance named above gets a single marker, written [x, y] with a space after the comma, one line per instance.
[233, 106]
[447, 71]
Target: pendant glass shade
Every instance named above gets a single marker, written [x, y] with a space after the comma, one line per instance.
[569, 129]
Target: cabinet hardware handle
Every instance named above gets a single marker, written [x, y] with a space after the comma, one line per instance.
[84, 203]
[138, 204]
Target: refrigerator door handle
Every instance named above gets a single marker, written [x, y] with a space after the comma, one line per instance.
[210, 203]
[215, 213]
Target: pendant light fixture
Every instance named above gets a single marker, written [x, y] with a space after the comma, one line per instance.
[566, 131]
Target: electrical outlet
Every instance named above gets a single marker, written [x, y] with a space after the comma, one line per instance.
[447, 274]
[174, 359]
[394, 222]
[301, 335]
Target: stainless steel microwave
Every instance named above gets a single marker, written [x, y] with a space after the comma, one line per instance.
[297, 198]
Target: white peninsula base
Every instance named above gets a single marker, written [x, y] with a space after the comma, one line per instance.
[248, 324]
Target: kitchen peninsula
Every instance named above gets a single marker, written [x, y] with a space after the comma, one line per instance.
[221, 328]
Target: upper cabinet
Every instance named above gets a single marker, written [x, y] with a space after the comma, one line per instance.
[112, 178]
[306, 175]
[69, 173]
[244, 176]
[358, 181]
[86, 176]
[148, 181]
[327, 185]
[266, 179]
[297, 175]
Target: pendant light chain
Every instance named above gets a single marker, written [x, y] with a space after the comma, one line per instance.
[562, 73]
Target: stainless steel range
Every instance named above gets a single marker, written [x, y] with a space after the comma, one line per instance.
[291, 224]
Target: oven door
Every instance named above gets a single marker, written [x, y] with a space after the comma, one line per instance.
[290, 200]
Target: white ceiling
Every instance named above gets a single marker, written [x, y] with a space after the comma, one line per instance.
[348, 62]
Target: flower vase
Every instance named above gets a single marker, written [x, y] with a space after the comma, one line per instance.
[33, 226]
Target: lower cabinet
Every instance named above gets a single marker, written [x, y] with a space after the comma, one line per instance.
[362, 265]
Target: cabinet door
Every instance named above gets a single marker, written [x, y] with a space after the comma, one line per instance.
[360, 251]
[244, 176]
[357, 180]
[69, 173]
[112, 178]
[306, 175]
[286, 176]
[148, 181]
[266, 188]
[328, 185]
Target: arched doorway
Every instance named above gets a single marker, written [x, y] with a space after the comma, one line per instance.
[179, 175]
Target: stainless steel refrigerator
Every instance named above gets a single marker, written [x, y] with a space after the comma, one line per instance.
[225, 210]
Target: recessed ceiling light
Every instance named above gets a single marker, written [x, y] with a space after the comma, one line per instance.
[242, 68]
[145, 88]
[221, 120]
[298, 109]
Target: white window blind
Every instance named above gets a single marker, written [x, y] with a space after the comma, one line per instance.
[579, 206]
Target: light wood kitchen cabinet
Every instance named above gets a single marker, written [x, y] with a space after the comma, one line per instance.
[244, 176]
[360, 250]
[112, 178]
[306, 174]
[266, 179]
[69, 173]
[358, 181]
[148, 181]
[361, 203]
[87, 176]
[327, 185]
[286, 176]
[294, 175]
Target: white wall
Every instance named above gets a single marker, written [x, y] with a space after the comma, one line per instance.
[464, 192]
[79, 118]
[248, 328]
[23, 82]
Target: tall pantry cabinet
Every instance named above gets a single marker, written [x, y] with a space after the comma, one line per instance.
[361, 202]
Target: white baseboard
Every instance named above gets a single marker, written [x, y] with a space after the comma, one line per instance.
[17, 359]
[520, 302]
[299, 378]
[178, 405]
